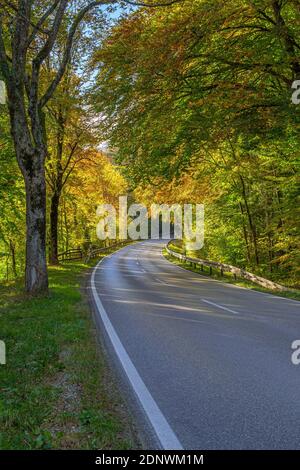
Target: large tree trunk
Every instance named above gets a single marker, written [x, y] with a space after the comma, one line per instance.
[31, 159]
[53, 254]
[36, 277]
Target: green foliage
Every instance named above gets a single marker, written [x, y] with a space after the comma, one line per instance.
[80, 168]
[12, 202]
[198, 96]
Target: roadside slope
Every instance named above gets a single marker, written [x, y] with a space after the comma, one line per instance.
[57, 391]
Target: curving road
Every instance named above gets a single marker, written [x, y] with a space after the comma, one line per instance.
[209, 362]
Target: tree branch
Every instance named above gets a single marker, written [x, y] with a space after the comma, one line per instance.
[4, 67]
[46, 49]
[72, 151]
[153, 5]
[49, 93]
[19, 14]
[51, 89]
[38, 26]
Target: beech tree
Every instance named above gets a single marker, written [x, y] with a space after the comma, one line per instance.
[29, 31]
[205, 91]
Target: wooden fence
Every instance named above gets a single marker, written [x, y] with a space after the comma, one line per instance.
[77, 254]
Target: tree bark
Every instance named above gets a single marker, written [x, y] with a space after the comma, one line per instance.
[31, 153]
[245, 234]
[66, 224]
[36, 278]
[13, 257]
[251, 224]
[53, 253]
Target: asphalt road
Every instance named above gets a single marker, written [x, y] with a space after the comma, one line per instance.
[214, 358]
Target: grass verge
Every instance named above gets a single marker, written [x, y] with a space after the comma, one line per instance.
[56, 391]
[228, 277]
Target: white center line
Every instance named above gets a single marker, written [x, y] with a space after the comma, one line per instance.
[220, 306]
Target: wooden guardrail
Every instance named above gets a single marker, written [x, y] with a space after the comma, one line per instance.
[77, 254]
[227, 268]
[94, 252]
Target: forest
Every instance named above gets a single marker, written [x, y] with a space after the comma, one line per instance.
[178, 102]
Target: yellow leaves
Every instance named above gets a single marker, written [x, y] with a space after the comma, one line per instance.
[96, 179]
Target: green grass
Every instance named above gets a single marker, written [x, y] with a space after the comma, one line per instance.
[227, 277]
[56, 390]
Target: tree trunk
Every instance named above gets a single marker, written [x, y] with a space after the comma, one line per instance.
[53, 255]
[245, 234]
[270, 240]
[66, 224]
[251, 224]
[13, 257]
[36, 278]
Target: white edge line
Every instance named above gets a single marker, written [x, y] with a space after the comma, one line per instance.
[220, 306]
[165, 434]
